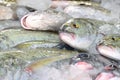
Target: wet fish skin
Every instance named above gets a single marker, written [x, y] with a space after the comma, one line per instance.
[88, 12]
[36, 44]
[9, 24]
[37, 65]
[113, 40]
[44, 20]
[64, 4]
[80, 31]
[14, 60]
[33, 54]
[109, 46]
[19, 36]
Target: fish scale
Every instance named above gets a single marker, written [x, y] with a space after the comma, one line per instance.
[32, 54]
[11, 37]
[14, 60]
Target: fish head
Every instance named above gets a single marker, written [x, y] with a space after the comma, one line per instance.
[110, 47]
[77, 33]
[111, 40]
[75, 26]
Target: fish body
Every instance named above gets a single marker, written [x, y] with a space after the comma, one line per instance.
[63, 4]
[9, 24]
[19, 36]
[81, 33]
[34, 54]
[37, 65]
[12, 61]
[44, 20]
[88, 12]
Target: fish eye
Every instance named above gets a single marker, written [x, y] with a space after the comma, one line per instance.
[83, 56]
[75, 25]
[113, 38]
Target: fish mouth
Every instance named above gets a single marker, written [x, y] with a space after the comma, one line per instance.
[84, 65]
[67, 36]
[75, 41]
[23, 22]
[109, 51]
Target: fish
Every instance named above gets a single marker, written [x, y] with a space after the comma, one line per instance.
[33, 59]
[109, 46]
[83, 11]
[44, 20]
[35, 5]
[11, 37]
[78, 33]
[64, 4]
[33, 54]
[81, 33]
[38, 64]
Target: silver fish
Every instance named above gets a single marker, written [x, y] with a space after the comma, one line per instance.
[45, 20]
[16, 64]
[81, 33]
[7, 24]
[12, 37]
[89, 12]
[110, 47]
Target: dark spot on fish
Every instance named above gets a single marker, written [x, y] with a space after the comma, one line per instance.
[74, 25]
[83, 56]
[64, 46]
[111, 67]
[30, 9]
[113, 38]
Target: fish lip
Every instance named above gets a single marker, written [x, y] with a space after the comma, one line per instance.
[109, 51]
[98, 47]
[23, 22]
[70, 34]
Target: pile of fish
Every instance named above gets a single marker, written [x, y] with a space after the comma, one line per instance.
[70, 40]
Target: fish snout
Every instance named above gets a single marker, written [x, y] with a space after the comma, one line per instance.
[23, 22]
[109, 51]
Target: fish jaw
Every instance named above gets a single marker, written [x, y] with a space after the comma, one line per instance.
[23, 22]
[84, 65]
[109, 51]
[104, 76]
[74, 41]
[33, 22]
